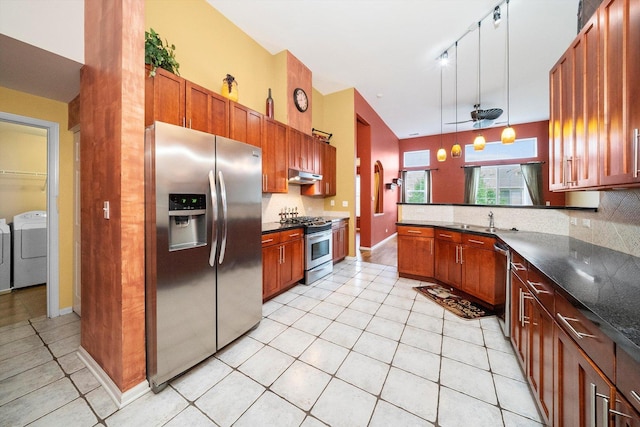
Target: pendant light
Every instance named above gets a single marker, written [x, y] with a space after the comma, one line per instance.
[508, 134]
[441, 155]
[456, 150]
[479, 142]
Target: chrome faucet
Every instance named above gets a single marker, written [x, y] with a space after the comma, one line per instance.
[491, 225]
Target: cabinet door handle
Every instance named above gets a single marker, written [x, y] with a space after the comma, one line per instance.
[566, 320]
[444, 235]
[456, 254]
[476, 241]
[635, 395]
[461, 257]
[267, 241]
[414, 232]
[605, 407]
[619, 414]
[294, 235]
[523, 314]
[517, 266]
[431, 249]
[636, 137]
[536, 290]
[283, 254]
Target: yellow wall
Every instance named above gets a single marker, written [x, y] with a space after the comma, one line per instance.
[36, 107]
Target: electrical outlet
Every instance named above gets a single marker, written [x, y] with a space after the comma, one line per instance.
[345, 204]
[573, 221]
[332, 203]
[586, 223]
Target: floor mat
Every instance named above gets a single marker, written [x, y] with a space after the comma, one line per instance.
[453, 302]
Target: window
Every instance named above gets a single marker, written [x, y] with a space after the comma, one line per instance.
[416, 159]
[416, 186]
[502, 185]
[526, 148]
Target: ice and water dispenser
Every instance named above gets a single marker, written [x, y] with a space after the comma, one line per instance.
[187, 221]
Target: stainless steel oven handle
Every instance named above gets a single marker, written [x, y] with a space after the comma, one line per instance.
[318, 236]
[223, 198]
[214, 231]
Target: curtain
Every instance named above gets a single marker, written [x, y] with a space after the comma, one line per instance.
[471, 178]
[427, 186]
[532, 173]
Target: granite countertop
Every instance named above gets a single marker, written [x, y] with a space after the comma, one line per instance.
[272, 227]
[602, 283]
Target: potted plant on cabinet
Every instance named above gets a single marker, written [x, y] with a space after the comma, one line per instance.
[157, 54]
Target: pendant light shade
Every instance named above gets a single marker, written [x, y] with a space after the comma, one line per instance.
[441, 155]
[508, 135]
[479, 143]
[456, 151]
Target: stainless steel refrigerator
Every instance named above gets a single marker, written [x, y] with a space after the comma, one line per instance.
[203, 213]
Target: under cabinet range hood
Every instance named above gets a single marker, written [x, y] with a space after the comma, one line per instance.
[301, 177]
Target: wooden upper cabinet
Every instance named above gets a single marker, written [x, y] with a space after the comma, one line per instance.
[198, 108]
[245, 125]
[329, 173]
[295, 149]
[274, 157]
[619, 86]
[556, 142]
[164, 98]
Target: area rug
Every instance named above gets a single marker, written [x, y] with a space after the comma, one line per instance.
[456, 304]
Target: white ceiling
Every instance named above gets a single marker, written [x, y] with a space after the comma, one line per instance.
[387, 50]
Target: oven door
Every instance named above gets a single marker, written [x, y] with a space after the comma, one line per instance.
[319, 249]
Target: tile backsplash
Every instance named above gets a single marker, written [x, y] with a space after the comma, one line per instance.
[272, 203]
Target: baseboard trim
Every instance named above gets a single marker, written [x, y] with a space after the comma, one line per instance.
[380, 243]
[66, 310]
[119, 398]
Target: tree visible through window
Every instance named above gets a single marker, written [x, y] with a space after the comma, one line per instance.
[416, 186]
[502, 185]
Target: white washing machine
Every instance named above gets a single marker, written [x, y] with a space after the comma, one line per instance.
[29, 249]
[5, 256]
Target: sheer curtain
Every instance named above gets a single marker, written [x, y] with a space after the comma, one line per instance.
[471, 177]
[532, 173]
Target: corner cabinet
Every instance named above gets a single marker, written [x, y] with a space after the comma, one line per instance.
[282, 261]
[416, 252]
[594, 118]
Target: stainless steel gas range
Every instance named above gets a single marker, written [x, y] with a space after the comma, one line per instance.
[318, 247]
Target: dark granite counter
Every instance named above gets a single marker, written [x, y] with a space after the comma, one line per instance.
[272, 227]
[602, 283]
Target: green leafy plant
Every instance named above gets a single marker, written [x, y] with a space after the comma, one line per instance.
[157, 54]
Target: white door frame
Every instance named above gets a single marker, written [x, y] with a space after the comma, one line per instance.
[53, 190]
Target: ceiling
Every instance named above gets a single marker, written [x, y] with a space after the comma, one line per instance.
[388, 50]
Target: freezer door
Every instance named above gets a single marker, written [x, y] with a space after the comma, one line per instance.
[180, 284]
[239, 259]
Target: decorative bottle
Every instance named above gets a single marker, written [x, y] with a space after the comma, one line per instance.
[269, 105]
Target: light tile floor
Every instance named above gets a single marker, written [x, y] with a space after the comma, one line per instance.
[357, 348]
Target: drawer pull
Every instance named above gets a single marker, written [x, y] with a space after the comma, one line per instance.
[619, 414]
[294, 235]
[267, 241]
[635, 395]
[536, 290]
[444, 235]
[578, 335]
[414, 231]
[517, 266]
[476, 241]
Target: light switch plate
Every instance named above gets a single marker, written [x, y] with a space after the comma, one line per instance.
[345, 203]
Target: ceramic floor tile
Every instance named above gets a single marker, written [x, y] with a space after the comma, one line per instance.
[24, 362]
[237, 352]
[411, 393]
[337, 298]
[409, 294]
[422, 339]
[266, 365]
[84, 380]
[332, 283]
[327, 309]
[76, 413]
[271, 410]
[303, 303]
[467, 379]
[364, 305]
[301, 384]
[457, 409]
[393, 313]
[419, 362]
[455, 318]
[286, 315]
[350, 289]
[25, 382]
[38, 403]
[65, 346]
[14, 334]
[365, 276]
[386, 415]
[399, 298]
[372, 295]
[269, 307]
[497, 341]
[150, 409]
[428, 307]
[267, 330]
[225, 402]
[463, 332]
[190, 417]
[354, 318]
[341, 334]
[515, 396]
[101, 402]
[387, 278]
[513, 420]
[312, 324]
[292, 341]
[424, 321]
[325, 355]
[490, 323]
[505, 364]
[342, 404]
[22, 345]
[359, 283]
[60, 332]
[71, 363]
[198, 380]
[363, 372]
[317, 293]
[375, 346]
[285, 298]
[465, 352]
[385, 328]
[312, 422]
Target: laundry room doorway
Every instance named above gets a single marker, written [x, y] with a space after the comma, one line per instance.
[29, 182]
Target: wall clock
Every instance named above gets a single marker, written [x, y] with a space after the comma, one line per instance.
[300, 99]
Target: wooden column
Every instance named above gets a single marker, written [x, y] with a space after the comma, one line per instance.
[112, 168]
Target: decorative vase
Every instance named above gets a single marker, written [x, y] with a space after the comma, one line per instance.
[269, 105]
[230, 88]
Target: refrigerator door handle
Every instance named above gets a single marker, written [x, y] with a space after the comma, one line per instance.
[214, 231]
[223, 198]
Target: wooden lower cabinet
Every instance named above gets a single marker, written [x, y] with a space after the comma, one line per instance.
[623, 413]
[282, 261]
[448, 268]
[416, 252]
[483, 269]
[340, 236]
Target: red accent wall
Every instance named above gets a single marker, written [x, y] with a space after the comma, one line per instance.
[448, 180]
[375, 141]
